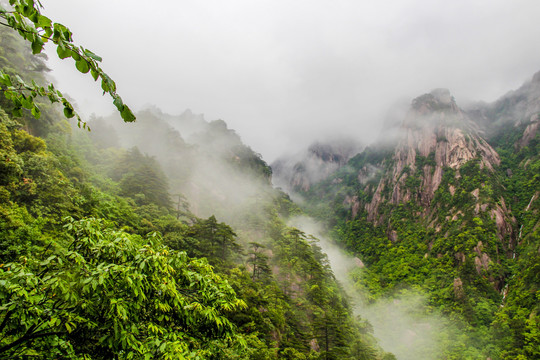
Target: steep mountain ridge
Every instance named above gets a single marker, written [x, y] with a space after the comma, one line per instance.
[515, 107]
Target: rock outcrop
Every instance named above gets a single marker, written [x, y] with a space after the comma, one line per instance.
[530, 132]
[436, 134]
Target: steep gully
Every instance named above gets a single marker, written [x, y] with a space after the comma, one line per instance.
[400, 324]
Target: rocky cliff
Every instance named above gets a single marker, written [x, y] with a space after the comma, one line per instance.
[436, 134]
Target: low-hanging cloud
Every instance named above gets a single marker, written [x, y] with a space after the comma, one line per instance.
[285, 73]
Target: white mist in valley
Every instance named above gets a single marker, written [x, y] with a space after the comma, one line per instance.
[401, 323]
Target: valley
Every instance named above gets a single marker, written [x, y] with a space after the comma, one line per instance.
[148, 235]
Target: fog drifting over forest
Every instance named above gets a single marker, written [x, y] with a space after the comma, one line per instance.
[283, 74]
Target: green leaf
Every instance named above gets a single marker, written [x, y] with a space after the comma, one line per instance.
[82, 66]
[34, 17]
[75, 55]
[37, 45]
[95, 74]
[92, 55]
[107, 84]
[36, 112]
[27, 102]
[5, 79]
[118, 103]
[17, 102]
[28, 10]
[44, 22]
[67, 34]
[48, 33]
[63, 52]
[104, 86]
[127, 114]
[68, 112]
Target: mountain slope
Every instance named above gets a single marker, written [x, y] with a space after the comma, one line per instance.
[445, 209]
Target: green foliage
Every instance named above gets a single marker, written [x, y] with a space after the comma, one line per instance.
[280, 318]
[25, 17]
[473, 248]
[517, 323]
[141, 178]
[213, 240]
[108, 293]
[259, 262]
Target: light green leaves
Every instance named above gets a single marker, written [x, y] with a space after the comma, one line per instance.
[63, 52]
[36, 112]
[90, 54]
[114, 290]
[37, 45]
[68, 112]
[127, 114]
[23, 96]
[43, 22]
[82, 66]
[5, 79]
[118, 103]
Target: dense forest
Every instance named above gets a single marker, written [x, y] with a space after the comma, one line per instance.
[164, 238]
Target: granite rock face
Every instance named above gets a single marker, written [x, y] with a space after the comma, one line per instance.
[439, 132]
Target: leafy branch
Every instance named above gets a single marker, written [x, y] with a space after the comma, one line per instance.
[27, 20]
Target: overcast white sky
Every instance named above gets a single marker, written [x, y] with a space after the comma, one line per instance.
[284, 73]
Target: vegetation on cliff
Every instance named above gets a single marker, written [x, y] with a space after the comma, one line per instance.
[450, 214]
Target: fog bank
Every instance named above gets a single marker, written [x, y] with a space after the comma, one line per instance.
[401, 323]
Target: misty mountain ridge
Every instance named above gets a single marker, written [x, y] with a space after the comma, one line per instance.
[205, 161]
[515, 107]
[435, 112]
[322, 158]
[435, 134]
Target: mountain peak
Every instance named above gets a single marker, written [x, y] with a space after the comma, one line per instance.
[436, 100]
[536, 77]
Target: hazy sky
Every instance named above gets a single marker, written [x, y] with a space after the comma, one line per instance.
[284, 73]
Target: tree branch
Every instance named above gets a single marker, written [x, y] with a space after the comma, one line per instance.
[26, 338]
[6, 318]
